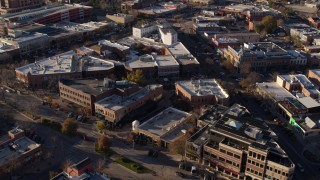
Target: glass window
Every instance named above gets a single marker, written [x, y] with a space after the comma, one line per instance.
[230, 154]
[222, 150]
[254, 155]
[262, 158]
[236, 156]
[259, 156]
[221, 159]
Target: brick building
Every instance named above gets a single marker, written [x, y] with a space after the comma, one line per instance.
[16, 148]
[202, 92]
[68, 65]
[13, 6]
[86, 92]
[115, 107]
[241, 147]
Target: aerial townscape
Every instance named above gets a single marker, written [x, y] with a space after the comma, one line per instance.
[159, 90]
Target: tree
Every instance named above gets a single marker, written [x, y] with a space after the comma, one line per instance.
[101, 125]
[52, 174]
[268, 24]
[250, 80]
[99, 165]
[136, 76]
[65, 165]
[69, 127]
[179, 146]
[103, 144]
[245, 68]
[228, 65]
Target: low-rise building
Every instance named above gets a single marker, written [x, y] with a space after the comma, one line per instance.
[115, 107]
[8, 52]
[50, 14]
[68, 65]
[168, 35]
[166, 127]
[299, 85]
[17, 149]
[155, 65]
[83, 169]
[86, 92]
[263, 56]
[121, 18]
[28, 42]
[187, 62]
[106, 45]
[202, 92]
[246, 37]
[242, 147]
[314, 75]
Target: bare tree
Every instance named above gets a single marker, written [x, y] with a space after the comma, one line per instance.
[65, 165]
[100, 165]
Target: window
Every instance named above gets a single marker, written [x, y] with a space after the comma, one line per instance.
[222, 150]
[237, 156]
[230, 154]
[261, 165]
[254, 155]
[260, 174]
[221, 159]
[283, 173]
[249, 161]
[270, 168]
[213, 156]
[248, 169]
[250, 153]
[259, 156]
[267, 167]
[229, 162]
[262, 158]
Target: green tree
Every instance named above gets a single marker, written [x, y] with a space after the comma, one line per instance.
[136, 76]
[101, 125]
[69, 127]
[269, 23]
[103, 144]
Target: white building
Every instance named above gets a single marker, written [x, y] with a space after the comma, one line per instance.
[168, 36]
[144, 29]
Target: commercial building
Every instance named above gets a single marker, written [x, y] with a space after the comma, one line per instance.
[50, 14]
[68, 65]
[83, 169]
[105, 46]
[263, 56]
[17, 149]
[166, 127]
[187, 62]
[86, 92]
[245, 37]
[115, 107]
[202, 92]
[241, 147]
[155, 65]
[168, 35]
[28, 42]
[13, 6]
[120, 18]
[314, 76]
[299, 85]
[8, 52]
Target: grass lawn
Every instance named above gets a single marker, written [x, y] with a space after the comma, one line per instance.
[132, 165]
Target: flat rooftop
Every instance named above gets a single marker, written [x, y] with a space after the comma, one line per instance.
[94, 86]
[309, 102]
[166, 60]
[203, 87]
[66, 63]
[164, 122]
[178, 49]
[71, 26]
[4, 47]
[116, 102]
[19, 147]
[25, 37]
[40, 12]
[143, 61]
[115, 45]
[94, 24]
[316, 71]
[274, 90]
